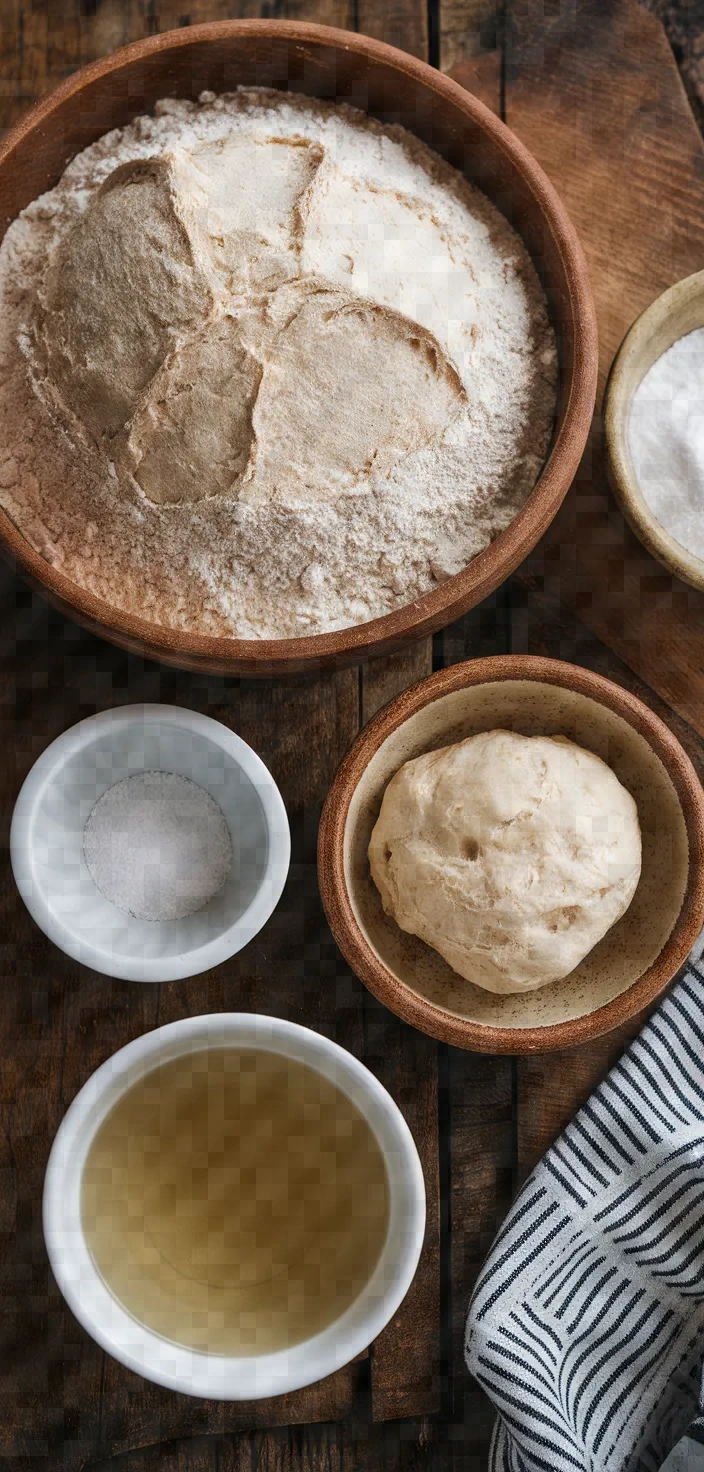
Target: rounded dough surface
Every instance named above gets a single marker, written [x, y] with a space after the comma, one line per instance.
[511, 855]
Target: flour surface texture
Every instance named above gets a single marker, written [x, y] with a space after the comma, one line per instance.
[267, 368]
[666, 440]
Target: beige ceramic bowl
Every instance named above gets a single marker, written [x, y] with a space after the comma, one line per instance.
[670, 316]
[637, 958]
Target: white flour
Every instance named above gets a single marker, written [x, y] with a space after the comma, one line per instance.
[286, 376]
[666, 440]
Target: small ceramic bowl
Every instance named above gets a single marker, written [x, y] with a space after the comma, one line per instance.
[669, 317]
[633, 962]
[46, 841]
[196, 1372]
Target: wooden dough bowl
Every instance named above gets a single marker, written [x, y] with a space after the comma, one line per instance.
[394, 87]
[638, 956]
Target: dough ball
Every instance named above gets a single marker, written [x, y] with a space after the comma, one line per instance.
[510, 855]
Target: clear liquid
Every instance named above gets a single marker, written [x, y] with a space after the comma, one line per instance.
[235, 1201]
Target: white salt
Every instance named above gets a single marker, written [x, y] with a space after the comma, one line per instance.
[666, 440]
[157, 846]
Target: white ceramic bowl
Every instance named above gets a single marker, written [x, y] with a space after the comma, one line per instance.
[46, 841]
[215, 1376]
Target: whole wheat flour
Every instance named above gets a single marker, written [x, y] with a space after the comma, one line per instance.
[267, 368]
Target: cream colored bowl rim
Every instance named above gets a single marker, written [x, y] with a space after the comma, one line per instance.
[617, 401]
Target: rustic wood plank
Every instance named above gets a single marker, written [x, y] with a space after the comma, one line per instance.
[354, 1447]
[477, 1092]
[467, 28]
[477, 1114]
[406, 1356]
[402, 23]
[43, 42]
[594, 92]
[482, 1172]
[383, 679]
[484, 631]
[550, 1089]
[291, 969]
[684, 28]
[63, 1393]
[591, 561]
[482, 76]
[596, 82]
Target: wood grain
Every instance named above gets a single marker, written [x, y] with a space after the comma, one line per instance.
[467, 28]
[65, 1399]
[482, 76]
[382, 679]
[684, 28]
[406, 1366]
[53, 674]
[41, 43]
[402, 23]
[481, 1099]
[595, 94]
[550, 1090]
[59, 1377]
[405, 1378]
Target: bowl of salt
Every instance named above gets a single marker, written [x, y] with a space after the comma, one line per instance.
[150, 843]
[654, 426]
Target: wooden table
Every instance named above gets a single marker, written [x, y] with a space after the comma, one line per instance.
[594, 92]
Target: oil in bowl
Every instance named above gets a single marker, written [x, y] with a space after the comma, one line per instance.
[235, 1201]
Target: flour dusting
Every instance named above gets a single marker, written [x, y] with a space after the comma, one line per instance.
[267, 368]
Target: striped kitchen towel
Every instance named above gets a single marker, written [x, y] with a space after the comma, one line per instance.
[586, 1327]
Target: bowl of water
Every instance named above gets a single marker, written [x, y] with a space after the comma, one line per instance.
[150, 843]
[234, 1206]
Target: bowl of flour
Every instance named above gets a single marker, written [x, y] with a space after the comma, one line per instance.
[288, 377]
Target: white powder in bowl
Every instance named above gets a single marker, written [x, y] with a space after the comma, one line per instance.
[157, 846]
[666, 440]
[267, 368]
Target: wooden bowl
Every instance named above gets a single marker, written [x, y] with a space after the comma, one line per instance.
[391, 86]
[633, 962]
[670, 316]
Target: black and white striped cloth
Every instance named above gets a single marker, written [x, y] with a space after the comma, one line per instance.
[586, 1327]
